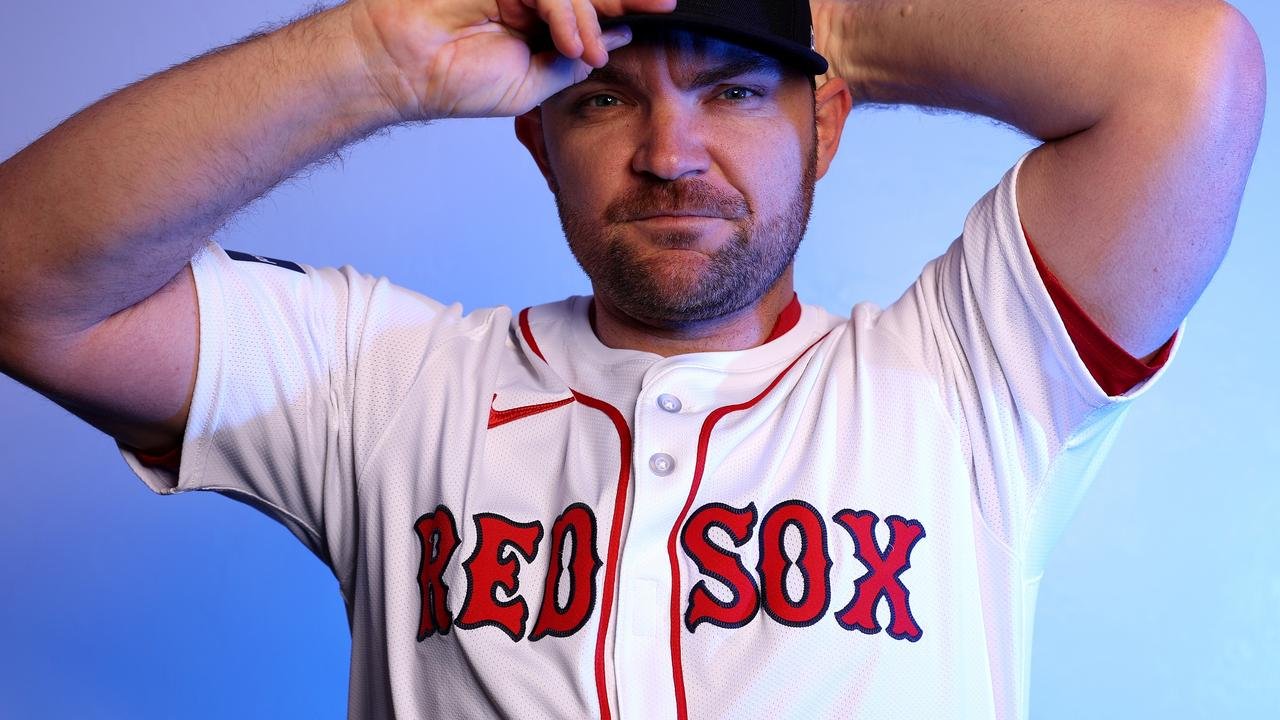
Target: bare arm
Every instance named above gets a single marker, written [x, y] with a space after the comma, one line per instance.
[106, 208]
[99, 218]
[1150, 112]
[105, 211]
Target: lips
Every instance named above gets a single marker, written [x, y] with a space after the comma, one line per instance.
[680, 213]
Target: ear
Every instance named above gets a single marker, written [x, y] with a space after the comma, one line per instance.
[529, 132]
[833, 102]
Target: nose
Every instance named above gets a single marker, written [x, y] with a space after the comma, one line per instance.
[673, 145]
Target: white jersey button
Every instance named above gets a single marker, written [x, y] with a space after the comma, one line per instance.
[670, 403]
[662, 464]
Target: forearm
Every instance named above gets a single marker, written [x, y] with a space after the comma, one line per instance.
[104, 209]
[1150, 109]
[1051, 68]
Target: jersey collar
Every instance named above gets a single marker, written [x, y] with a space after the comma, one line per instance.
[787, 319]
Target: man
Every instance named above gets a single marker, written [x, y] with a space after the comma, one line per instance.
[594, 507]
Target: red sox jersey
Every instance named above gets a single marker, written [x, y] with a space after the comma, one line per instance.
[849, 520]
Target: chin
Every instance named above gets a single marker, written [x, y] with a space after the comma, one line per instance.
[677, 274]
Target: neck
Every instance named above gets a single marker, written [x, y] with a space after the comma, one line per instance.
[747, 328]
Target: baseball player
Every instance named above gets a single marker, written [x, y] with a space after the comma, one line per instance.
[689, 494]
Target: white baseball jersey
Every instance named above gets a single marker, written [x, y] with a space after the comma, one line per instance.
[847, 521]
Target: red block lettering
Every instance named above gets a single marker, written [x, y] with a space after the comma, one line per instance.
[491, 567]
[882, 577]
[582, 565]
[439, 538]
[721, 565]
[813, 562]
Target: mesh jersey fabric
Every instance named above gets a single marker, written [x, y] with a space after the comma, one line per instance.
[874, 497]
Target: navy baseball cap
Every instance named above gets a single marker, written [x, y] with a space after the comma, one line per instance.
[779, 28]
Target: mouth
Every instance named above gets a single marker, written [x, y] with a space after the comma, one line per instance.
[694, 214]
[677, 222]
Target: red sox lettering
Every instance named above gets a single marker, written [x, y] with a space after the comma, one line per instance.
[488, 569]
[493, 565]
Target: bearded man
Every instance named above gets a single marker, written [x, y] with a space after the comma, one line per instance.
[689, 494]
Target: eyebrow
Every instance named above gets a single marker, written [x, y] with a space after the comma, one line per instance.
[742, 65]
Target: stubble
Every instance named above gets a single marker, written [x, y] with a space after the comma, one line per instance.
[733, 277]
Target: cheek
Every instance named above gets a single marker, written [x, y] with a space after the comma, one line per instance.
[767, 168]
[589, 172]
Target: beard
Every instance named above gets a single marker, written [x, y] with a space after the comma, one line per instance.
[733, 277]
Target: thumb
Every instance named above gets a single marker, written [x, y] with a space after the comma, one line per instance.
[550, 72]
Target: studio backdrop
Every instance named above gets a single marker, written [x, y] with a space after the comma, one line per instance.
[1160, 601]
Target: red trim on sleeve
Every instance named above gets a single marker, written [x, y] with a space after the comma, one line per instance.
[1114, 369]
[167, 461]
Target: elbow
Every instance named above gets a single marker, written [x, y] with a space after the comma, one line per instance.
[1234, 53]
[1234, 86]
[1204, 82]
[1220, 62]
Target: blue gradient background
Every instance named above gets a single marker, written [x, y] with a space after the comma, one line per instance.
[1161, 600]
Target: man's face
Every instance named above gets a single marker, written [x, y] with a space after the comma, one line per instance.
[683, 172]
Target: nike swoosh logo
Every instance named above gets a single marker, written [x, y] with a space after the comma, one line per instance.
[502, 417]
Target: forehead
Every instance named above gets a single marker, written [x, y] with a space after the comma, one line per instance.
[686, 56]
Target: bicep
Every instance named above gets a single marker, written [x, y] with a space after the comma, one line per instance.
[1135, 214]
[131, 375]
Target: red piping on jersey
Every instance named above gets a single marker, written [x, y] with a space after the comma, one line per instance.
[704, 441]
[528, 334]
[615, 539]
[502, 417]
[619, 513]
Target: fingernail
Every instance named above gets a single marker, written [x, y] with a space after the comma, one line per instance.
[616, 37]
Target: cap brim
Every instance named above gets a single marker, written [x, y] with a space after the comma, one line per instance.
[793, 54]
[799, 56]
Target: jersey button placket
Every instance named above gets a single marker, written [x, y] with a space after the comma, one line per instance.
[669, 402]
[664, 426]
[662, 464]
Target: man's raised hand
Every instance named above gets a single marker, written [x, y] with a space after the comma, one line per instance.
[437, 59]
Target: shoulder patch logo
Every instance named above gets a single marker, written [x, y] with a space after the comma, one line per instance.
[246, 257]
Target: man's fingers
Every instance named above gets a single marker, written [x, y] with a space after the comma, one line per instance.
[593, 50]
[552, 72]
[560, 17]
[615, 37]
[575, 24]
[618, 7]
[518, 15]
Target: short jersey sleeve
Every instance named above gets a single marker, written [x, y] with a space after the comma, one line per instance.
[299, 370]
[1036, 422]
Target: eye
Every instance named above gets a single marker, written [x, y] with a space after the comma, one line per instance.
[739, 93]
[600, 101]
